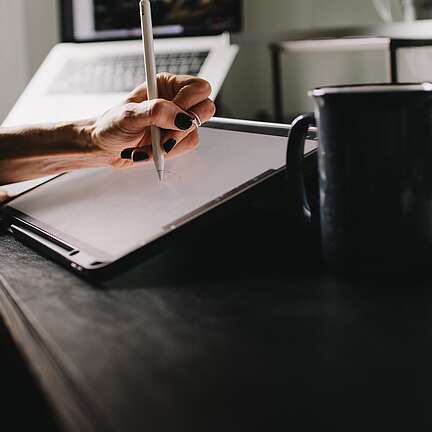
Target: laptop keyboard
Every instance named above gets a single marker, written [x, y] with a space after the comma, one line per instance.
[121, 73]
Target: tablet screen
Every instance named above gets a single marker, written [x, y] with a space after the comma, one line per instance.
[115, 212]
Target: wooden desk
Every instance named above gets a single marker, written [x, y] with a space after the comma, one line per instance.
[210, 336]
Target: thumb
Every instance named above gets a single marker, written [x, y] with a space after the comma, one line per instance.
[158, 112]
[4, 198]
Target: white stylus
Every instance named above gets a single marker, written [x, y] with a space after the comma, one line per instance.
[152, 88]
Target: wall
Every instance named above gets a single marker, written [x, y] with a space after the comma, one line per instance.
[30, 27]
[248, 88]
[13, 53]
[43, 29]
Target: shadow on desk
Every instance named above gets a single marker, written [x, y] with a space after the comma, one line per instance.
[23, 405]
[240, 330]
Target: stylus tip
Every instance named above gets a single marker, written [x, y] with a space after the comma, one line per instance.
[161, 175]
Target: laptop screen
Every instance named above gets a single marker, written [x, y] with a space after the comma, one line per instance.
[87, 20]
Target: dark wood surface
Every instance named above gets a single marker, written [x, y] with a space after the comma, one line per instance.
[240, 330]
[23, 405]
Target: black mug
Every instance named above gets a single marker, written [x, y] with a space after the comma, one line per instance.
[375, 175]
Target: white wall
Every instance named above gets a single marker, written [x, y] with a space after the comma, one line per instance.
[248, 88]
[43, 29]
[13, 52]
[28, 29]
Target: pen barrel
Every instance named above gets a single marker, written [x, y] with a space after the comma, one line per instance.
[151, 78]
[148, 46]
[158, 155]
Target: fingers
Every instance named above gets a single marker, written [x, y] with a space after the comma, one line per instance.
[138, 95]
[170, 139]
[132, 156]
[159, 112]
[189, 143]
[192, 92]
[179, 95]
[183, 90]
[137, 154]
[204, 110]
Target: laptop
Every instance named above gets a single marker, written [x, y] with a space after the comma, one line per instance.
[101, 57]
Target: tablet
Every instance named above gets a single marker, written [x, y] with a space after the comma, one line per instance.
[91, 219]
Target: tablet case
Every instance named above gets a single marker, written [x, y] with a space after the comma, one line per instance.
[55, 245]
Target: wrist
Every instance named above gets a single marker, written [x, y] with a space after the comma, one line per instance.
[37, 151]
[80, 137]
[82, 145]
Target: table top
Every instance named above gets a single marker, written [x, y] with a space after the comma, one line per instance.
[242, 329]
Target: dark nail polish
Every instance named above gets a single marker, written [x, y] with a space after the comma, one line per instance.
[140, 156]
[183, 121]
[169, 145]
[127, 153]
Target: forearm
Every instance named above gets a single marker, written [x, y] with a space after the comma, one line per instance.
[36, 151]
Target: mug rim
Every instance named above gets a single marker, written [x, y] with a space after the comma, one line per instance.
[371, 88]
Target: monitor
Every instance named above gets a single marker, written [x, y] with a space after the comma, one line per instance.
[92, 20]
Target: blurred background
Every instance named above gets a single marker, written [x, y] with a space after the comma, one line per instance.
[30, 28]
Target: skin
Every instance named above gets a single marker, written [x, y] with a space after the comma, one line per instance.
[30, 152]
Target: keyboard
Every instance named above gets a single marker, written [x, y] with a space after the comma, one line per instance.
[121, 73]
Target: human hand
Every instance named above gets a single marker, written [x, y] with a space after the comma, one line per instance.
[122, 135]
[4, 197]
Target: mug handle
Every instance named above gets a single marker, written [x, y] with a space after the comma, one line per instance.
[294, 164]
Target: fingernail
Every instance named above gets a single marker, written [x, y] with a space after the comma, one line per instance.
[140, 156]
[169, 145]
[183, 121]
[127, 153]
